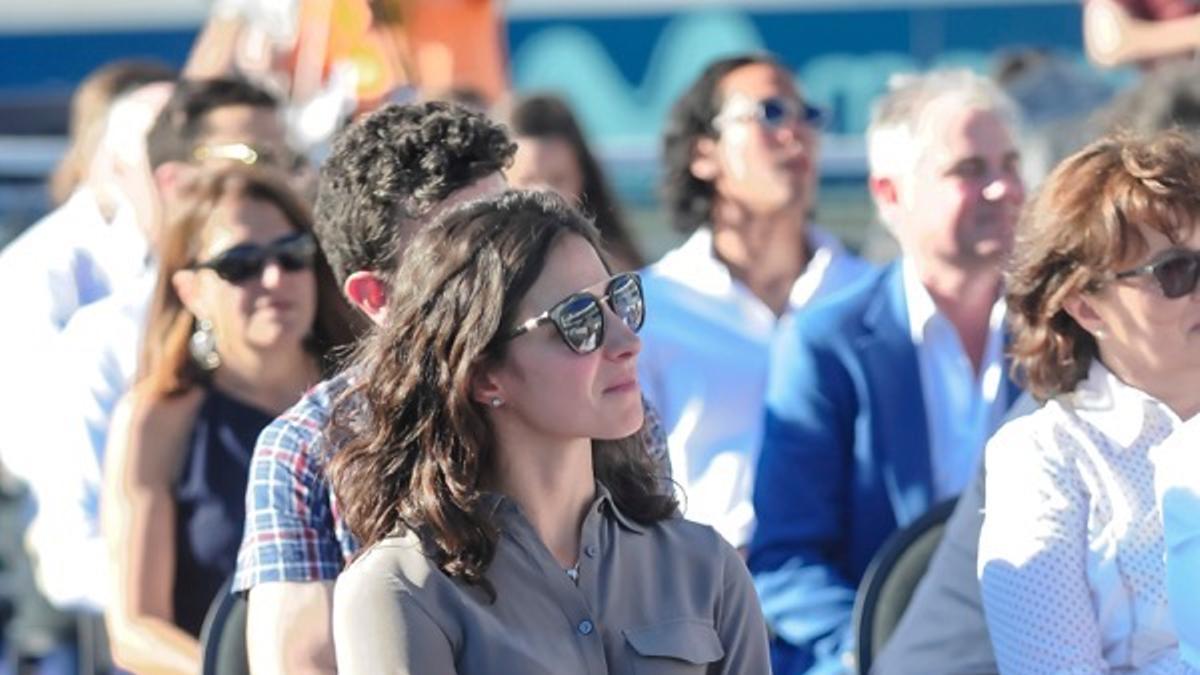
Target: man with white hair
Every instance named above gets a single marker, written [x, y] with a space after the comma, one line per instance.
[879, 402]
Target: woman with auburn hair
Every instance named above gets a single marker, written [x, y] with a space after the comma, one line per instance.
[1106, 332]
[245, 317]
[552, 152]
[513, 519]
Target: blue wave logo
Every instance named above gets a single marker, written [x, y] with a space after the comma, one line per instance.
[574, 62]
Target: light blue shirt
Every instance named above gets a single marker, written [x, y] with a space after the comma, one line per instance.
[94, 365]
[705, 347]
[69, 259]
[962, 407]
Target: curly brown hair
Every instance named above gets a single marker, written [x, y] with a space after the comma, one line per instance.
[388, 170]
[1083, 227]
[413, 447]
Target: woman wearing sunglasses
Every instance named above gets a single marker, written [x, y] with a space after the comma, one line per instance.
[1106, 331]
[241, 323]
[512, 518]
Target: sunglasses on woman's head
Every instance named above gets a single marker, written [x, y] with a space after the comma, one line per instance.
[1177, 271]
[293, 252]
[249, 155]
[580, 318]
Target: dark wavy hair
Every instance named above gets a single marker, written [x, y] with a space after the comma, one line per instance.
[415, 458]
[689, 200]
[180, 125]
[387, 172]
[1081, 229]
[548, 116]
[166, 365]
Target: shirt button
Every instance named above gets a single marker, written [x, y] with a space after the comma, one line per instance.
[585, 627]
[590, 550]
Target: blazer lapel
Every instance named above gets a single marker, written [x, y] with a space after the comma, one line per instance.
[897, 405]
[1012, 390]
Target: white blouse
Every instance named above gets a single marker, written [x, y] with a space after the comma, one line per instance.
[1071, 553]
[1178, 486]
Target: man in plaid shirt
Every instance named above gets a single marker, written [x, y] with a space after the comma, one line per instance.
[387, 175]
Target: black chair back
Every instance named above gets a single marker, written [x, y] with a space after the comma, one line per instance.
[890, 580]
[223, 635]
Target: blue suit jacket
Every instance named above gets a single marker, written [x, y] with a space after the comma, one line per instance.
[845, 462]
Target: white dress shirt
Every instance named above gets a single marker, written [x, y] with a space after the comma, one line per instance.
[95, 363]
[1177, 485]
[703, 365]
[68, 259]
[1071, 552]
[962, 408]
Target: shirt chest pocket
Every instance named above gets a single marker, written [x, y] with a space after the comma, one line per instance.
[673, 648]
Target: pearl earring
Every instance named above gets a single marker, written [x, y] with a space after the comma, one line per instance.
[496, 402]
[203, 345]
[1099, 334]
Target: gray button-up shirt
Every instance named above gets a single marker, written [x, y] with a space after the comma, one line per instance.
[672, 597]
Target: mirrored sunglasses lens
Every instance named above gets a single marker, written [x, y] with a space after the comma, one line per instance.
[1178, 276]
[627, 302]
[775, 111]
[581, 323]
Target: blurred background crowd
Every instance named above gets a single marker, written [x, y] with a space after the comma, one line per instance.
[618, 65]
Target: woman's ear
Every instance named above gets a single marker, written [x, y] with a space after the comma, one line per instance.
[187, 286]
[485, 386]
[1080, 308]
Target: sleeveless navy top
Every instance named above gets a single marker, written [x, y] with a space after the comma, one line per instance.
[210, 502]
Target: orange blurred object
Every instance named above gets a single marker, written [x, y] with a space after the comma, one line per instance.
[436, 45]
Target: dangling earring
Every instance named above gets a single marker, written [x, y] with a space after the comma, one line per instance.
[203, 345]
[496, 402]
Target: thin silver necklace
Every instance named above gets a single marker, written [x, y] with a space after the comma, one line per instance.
[573, 572]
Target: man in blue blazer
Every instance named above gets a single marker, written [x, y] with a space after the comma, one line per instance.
[880, 399]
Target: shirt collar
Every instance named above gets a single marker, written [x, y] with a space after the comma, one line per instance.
[695, 263]
[922, 310]
[1115, 408]
[496, 504]
[605, 503]
[824, 248]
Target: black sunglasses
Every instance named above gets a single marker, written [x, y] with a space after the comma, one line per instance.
[1177, 271]
[580, 318]
[775, 111]
[293, 252]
